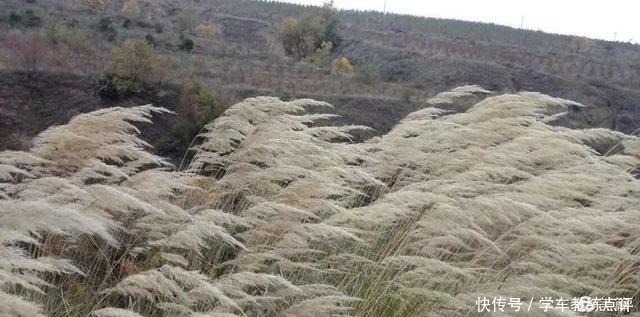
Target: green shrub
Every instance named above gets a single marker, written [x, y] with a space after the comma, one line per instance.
[300, 38]
[72, 23]
[294, 40]
[58, 33]
[321, 57]
[197, 107]
[158, 27]
[368, 72]
[150, 40]
[15, 19]
[133, 66]
[77, 39]
[106, 88]
[29, 19]
[186, 44]
[407, 93]
[105, 27]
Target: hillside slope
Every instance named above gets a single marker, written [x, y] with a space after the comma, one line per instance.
[279, 217]
[414, 57]
[434, 55]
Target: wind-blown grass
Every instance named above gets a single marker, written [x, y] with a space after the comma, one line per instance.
[279, 216]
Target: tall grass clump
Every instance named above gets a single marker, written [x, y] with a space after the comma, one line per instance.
[279, 214]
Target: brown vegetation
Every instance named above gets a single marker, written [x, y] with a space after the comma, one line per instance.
[278, 216]
[282, 208]
[208, 30]
[342, 66]
[29, 53]
[404, 56]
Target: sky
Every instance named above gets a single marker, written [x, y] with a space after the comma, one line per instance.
[617, 20]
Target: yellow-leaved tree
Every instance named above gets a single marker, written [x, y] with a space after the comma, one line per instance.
[133, 64]
[342, 66]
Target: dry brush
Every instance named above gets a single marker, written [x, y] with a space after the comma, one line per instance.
[278, 214]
